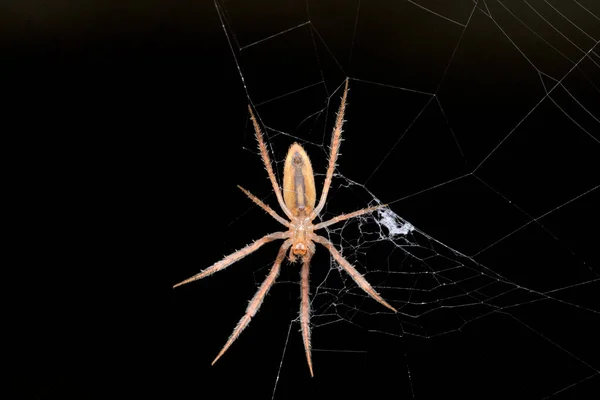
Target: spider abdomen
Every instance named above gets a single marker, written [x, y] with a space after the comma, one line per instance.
[299, 191]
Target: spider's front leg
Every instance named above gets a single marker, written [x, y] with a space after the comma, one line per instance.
[257, 300]
[305, 309]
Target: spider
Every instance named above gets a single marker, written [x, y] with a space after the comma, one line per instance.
[298, 204]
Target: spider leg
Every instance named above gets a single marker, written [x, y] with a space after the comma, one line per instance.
[265, 207]
[336, 139]
[354, 274]
[233, 257]
[305, 311]
[257, 300]
[267, 161]
[344, 217]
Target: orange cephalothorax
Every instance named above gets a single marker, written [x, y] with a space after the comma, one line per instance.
[299, 190]
[300, 231]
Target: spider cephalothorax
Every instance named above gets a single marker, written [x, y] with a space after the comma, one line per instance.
[298, 204]
[301, 230]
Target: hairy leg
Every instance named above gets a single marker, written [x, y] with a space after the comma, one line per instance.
[264, 153]
[265, 207]
[305, 310]
[238, 255]
[344, 217]
[257, 300]
[336, 139]
[354, 274]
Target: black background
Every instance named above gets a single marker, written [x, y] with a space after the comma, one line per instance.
[127, 132]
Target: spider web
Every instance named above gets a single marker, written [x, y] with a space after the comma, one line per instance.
[477, 123]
